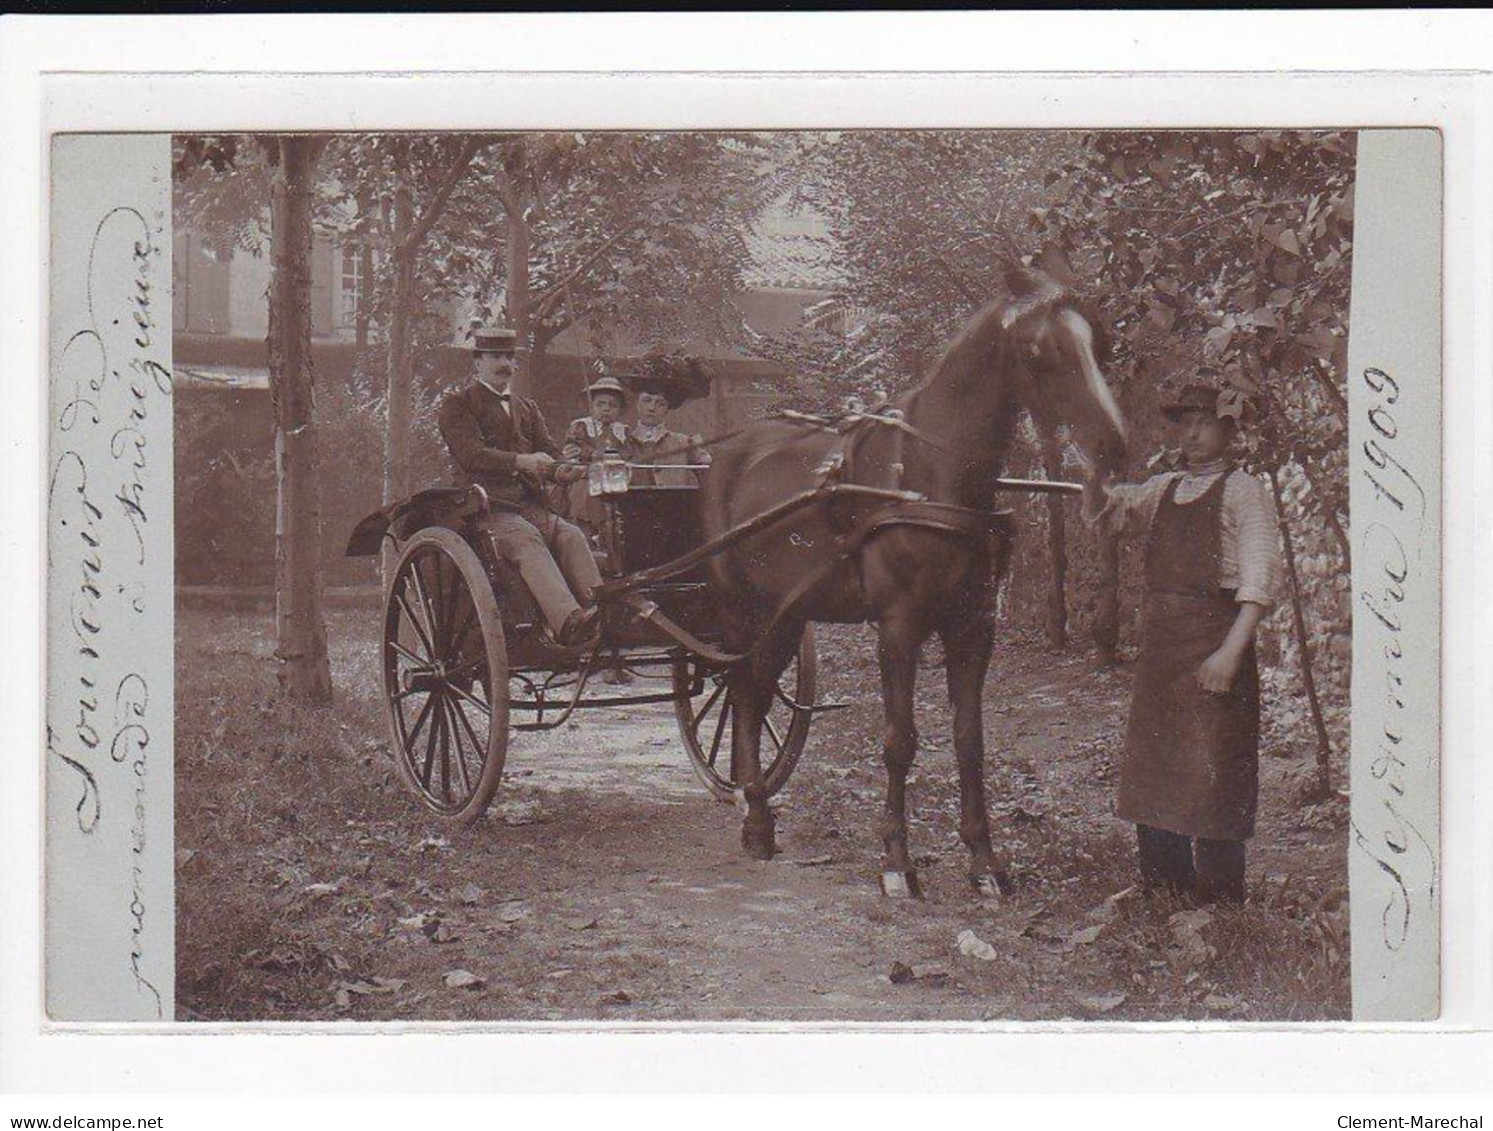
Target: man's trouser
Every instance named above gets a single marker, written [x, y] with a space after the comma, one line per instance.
[535, 541]
[1213, 870]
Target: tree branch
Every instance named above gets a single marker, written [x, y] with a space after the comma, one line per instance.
[554, 292]
[470, 148]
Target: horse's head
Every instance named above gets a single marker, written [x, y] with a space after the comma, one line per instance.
[1057, 350]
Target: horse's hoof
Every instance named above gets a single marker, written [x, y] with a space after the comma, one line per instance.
[991, 885]
[901, 885]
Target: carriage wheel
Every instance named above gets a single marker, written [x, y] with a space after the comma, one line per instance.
[446, 676]
[705, 721]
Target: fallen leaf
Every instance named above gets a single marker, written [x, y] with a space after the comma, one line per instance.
[900, 974]
[343, 999]
[974, 946]
[1086, 935]
[463, 980]
[322, 889]
[417, 922]
[813, 861]
[389, 985]
[617, 997]
[470, 894]
[511, 911]
[358, 987]
[582, 924]
[1222, 1001]
[1102, 1003]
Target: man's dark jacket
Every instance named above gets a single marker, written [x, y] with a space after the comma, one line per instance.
[485, 441]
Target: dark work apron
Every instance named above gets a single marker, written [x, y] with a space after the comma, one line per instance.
[1191, 756]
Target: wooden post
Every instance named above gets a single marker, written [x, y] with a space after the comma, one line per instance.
[1107, 615]
[1322, 786]
[300, 631]
[1056, 625]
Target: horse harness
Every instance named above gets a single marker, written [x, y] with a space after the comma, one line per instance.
[891, 507]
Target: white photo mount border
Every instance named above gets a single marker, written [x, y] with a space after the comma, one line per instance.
[1192, 101]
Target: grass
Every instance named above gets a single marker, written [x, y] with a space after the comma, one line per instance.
[299, 855]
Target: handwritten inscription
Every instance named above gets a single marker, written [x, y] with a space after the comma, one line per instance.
[111, 393]
[1389, 550]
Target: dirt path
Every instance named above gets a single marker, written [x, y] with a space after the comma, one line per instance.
[604, 883]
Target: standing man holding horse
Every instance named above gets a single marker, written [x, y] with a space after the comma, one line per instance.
[1190, 778]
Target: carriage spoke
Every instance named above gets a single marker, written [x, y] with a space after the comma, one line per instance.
[456, 716]
[462, 693]
[418, 661]
[425, 607]
[468, 618]
[414, 732]
[429, 752]
[709, 703]
[443, 727]
[720, 726]
[404, 604]
[777, 739]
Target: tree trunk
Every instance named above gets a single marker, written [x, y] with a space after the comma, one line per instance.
[364, 306]
[1322, 786]
[300, 631]
[518, 272]
[1107, 615]
[399, 407]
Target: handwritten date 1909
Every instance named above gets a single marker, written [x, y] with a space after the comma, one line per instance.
[1388, 555]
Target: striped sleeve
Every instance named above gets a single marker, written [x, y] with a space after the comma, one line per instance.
[1251, 540]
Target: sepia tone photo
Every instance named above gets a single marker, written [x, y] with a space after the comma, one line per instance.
[871, 576]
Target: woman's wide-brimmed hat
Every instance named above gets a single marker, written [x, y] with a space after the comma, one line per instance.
[676, 379]
[607, 384]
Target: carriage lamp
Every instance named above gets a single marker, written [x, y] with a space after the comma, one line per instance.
[608, 477]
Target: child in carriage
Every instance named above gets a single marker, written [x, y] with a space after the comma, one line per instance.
[600, 435]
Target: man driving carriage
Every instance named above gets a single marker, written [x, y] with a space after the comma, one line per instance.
[499, 441]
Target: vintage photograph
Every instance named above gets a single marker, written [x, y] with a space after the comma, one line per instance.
[858, 576]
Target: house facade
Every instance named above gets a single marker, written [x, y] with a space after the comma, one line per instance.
[224, 415]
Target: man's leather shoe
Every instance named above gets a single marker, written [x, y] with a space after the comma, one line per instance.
[579, 627]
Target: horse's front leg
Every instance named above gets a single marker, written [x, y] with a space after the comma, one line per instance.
[967, 646]
[897, 651]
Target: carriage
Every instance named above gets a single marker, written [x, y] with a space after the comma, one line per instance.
[466, 662]
[885, 515]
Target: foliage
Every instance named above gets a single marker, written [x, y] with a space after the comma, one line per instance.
[1197, 251]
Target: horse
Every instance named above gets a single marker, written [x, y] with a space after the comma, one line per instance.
[857, 557]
